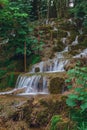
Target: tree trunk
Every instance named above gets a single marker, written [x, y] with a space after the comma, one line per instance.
[25, 56]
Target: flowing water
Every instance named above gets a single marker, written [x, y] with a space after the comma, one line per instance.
[82, 54]
[37, 84]
[75, 42]
[33, 84]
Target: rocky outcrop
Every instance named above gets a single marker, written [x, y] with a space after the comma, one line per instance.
[25, 112]
[57, 85]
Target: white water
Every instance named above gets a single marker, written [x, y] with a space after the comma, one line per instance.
[54, 65]
[75, 42]
[33, 84]
[82, 54]
[80, 31]
[64, 39]
[5, 41]
[37, 84]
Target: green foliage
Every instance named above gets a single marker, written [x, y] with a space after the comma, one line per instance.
[80, 93]
[80, 11]
[78, 99]
[4, 2]
[2, 73]
[83, 126]
[35, 59]
[11, 80]
[54, 121]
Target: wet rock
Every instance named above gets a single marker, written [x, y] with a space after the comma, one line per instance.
[40, 85]
[37, 69]
[56, 85]
[70, 65]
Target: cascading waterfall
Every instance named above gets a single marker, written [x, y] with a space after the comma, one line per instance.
[33, 84]
[82, 54]
[75, 42]
[37, 84]
[55, 65]
[64, 39]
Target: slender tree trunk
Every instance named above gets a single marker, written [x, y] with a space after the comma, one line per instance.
[48, 10]
[25, 57]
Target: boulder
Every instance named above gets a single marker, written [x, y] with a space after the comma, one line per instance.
[56, 85]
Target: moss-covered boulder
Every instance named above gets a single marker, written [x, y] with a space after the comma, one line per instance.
[68, 26]
[56, 85]
[58, 46]
[37, 69]
[62, 33]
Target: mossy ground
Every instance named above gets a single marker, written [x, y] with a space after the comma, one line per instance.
[33, 111]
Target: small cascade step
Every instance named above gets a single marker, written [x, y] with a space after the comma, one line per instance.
[33, 84]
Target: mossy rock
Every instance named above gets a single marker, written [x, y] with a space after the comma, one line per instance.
[85, 30]
[74, 52]
[73, 36]
[65, 124]
[56, 85]
[58, 122]
[54, 34]
[79, 47]
[59, 46]
[68, 26]
[84, 43]
[42, 118]
[62, 33]
[37, 69]
[81, 38]
[45, 28]
[20, 125]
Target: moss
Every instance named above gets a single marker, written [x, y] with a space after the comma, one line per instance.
[41, 118]
[79, 47]
[59, 46]
[85, 30]
[64, 124]
[37, 69]
[68, 26]
[56, 85]
[62, 33]
[84, 43]
[81, 38]
[73, 36]
[54, 34]
[20, 125]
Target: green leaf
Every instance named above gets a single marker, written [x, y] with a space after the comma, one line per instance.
[78, 89]
[73, 96]
[70, 102]
[69, 87]
[67, 80]
[84, 106]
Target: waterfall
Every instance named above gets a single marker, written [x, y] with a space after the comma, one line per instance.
[64, 39]
[53, 65]
[75, 42]
[33, 84]
[80, 31]
[82, 54]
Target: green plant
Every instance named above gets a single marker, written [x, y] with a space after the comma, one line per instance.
[11, 80]
[54, 121]
[83, 126]
[78, 99]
